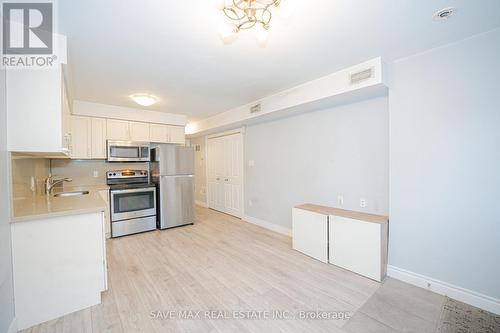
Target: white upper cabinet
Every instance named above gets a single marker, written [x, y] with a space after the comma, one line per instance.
[38, 111]
[167, 134]
[158, 133]
[139, 131]
[117, 130]
[98, 138]
[81, 134]
[88, 138]
[176, 134]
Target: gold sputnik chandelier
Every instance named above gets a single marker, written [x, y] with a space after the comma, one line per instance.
[247, 14]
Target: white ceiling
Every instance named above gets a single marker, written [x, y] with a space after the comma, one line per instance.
[171, 48]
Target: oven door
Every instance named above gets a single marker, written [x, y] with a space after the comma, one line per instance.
[132, 203]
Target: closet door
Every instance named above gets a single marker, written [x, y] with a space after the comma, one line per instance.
[232, 174]
[224, 176]
[213, 175]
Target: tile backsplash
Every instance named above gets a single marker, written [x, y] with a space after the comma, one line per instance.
[83, 172]
[23, 169]
[91, 172]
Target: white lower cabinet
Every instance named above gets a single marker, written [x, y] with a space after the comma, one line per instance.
[351, 240]
[107, 218]
[359, 246]
[59, 266]
[310, 234]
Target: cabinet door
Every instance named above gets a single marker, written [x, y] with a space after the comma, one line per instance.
[176, 134]
[98, 138]
[358, 246]
[66, 123]
[81, 137]
[139, 131]
[310, 233]
[158, 133]
[117, 130]
[107, 221]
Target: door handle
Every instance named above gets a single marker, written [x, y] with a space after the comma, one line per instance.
[217, 178]
[226, 180]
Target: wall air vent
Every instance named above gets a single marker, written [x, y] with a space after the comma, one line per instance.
[361, 76]
[255, 108]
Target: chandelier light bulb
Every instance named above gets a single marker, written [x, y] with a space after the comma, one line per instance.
[227, 32]
[219, 4]
[262, 36]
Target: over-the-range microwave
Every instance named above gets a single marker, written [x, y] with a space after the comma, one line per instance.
[128, 151]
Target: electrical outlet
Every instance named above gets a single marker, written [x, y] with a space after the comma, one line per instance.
[362, 202]
[250, 203]
[340, 200]
[96, 174]
[251, 163]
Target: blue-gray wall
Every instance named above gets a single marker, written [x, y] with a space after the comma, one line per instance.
[6, 287]
[314, 157]
[445, 164]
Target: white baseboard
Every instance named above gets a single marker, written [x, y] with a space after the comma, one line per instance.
[201, 203]
[443, 288]
[13, 326]
[268, 225]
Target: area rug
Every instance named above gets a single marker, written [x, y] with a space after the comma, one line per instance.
[457, 317]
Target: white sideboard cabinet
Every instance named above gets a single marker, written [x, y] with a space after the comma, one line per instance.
[352, 240]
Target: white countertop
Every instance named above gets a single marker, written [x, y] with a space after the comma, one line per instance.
[37, 207]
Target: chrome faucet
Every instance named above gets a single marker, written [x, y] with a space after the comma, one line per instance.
[50, 183]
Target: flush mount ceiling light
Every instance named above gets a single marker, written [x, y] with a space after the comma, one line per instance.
[247, 14]
[444, 14]
[144, 99]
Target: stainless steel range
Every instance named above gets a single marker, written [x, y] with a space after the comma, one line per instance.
[132, 201]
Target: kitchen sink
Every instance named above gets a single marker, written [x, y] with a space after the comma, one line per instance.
[71, 194]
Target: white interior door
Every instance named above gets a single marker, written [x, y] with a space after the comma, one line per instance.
[224, 173]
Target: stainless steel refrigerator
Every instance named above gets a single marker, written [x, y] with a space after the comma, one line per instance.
[172, 170]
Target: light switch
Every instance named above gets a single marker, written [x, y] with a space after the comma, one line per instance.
[96, 174]
[251, 163]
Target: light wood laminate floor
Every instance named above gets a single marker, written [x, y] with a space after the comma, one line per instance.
[222, 264]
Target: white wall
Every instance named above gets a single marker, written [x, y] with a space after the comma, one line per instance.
[316, 156]
[445, 164]
[6, 287]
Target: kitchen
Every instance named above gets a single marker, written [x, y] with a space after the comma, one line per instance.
[127, 187]
[201, 167]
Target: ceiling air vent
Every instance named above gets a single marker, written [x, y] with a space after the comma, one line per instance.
[255, 108]
[364, 75]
